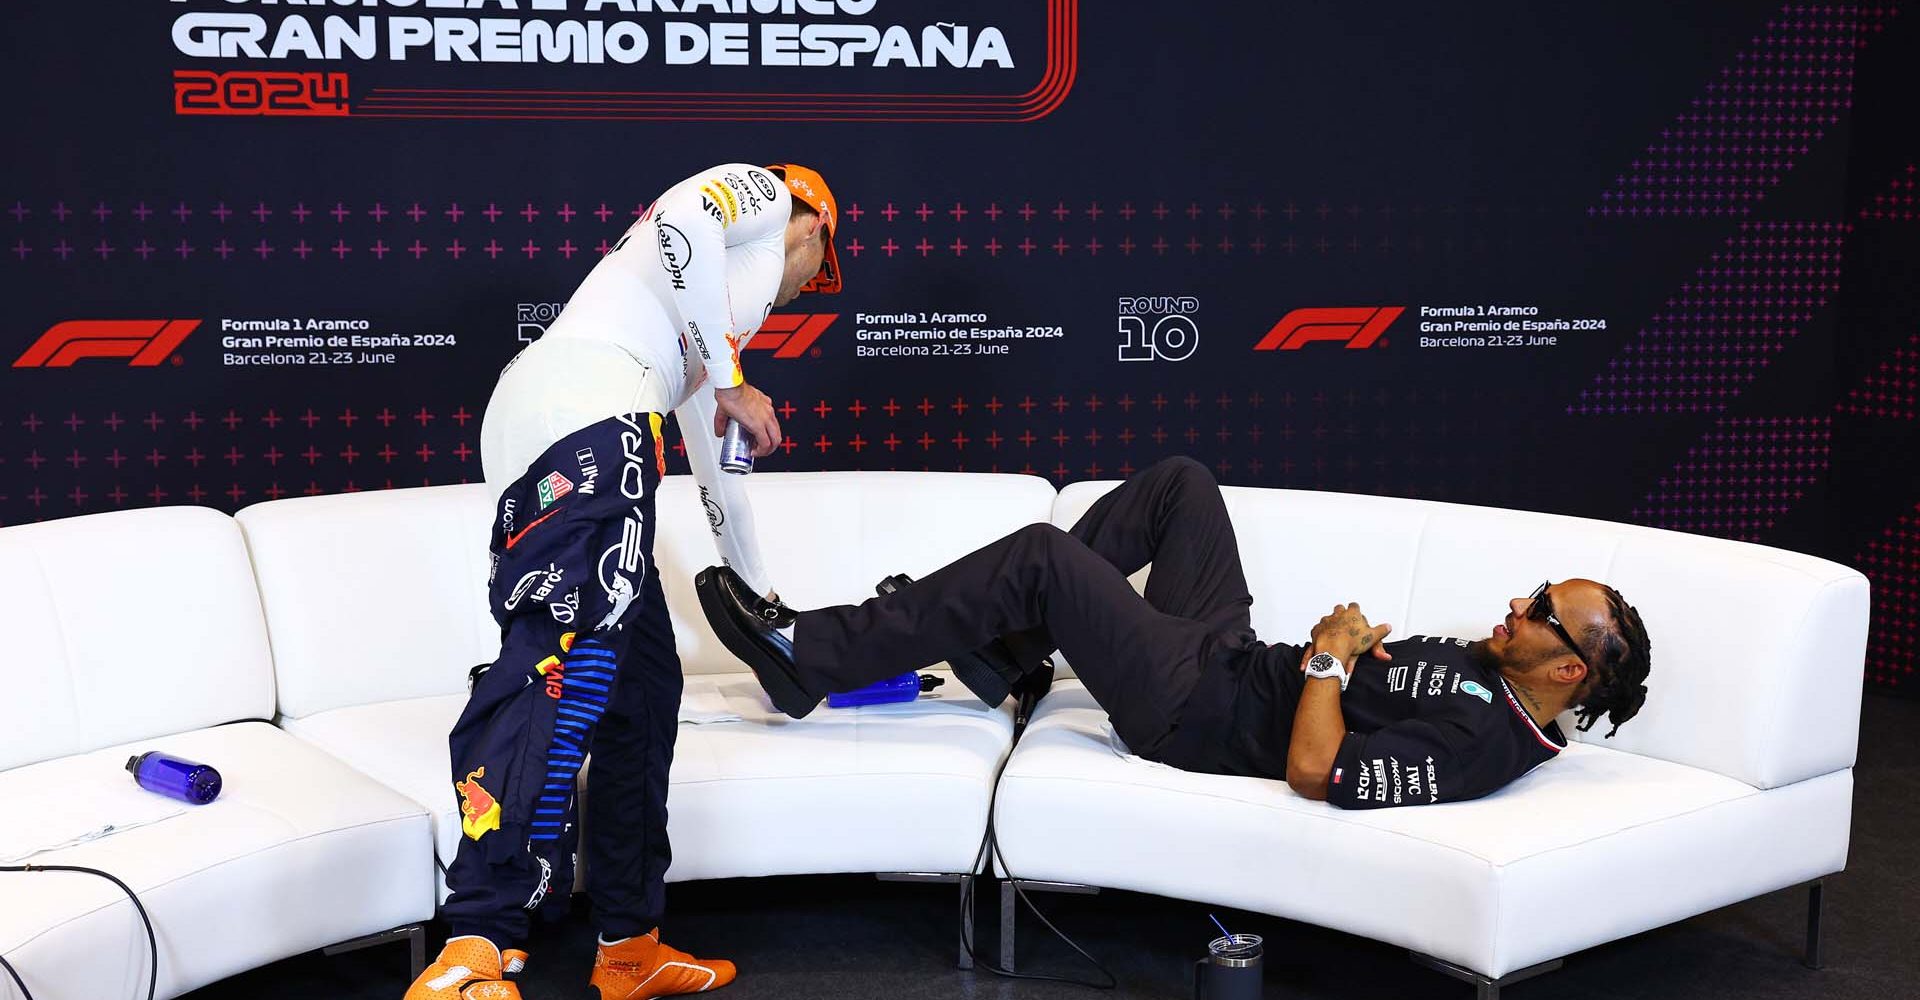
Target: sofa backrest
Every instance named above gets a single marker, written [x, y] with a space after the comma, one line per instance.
[373, 596]
[124, 626]
[378, 596]
[1758, 653]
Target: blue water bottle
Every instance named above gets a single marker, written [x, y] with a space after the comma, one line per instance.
[194, 784]
[905, 687]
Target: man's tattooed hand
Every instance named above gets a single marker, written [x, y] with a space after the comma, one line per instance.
[1346, 633]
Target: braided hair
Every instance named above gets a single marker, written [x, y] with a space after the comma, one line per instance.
[1616, 688]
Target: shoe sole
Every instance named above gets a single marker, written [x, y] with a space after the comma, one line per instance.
[777, 678]
[982, 673]
[973, 670]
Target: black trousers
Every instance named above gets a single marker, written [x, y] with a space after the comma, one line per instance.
[1146, 659]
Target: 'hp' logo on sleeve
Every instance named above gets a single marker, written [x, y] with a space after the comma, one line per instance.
[1158, 327]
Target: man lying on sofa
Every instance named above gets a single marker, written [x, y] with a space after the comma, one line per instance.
[1347, 718]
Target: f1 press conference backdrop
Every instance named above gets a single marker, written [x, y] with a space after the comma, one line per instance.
[1644, 261]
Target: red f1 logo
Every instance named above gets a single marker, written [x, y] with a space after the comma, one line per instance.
[1358, 327]
[788, 335]
[147, 342]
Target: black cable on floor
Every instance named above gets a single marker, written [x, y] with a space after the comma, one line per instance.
[990, 843]
[153, 946]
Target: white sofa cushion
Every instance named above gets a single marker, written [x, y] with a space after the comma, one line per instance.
[884, 788]
[402, 744]
[879, 788]
[1747, 640]
[1591, 847]
[298, 852]
[124, 626]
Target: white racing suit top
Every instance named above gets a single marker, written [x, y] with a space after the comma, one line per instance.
[656, 325]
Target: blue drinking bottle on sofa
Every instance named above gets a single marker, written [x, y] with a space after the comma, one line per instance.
[194, 784]
[905, 687]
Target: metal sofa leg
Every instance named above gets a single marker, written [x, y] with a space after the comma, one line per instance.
[1816, 902]
[1009, 912]
[1485, 988]
[966, 903]
[414, 934]
[1010, 890]
[966, 922]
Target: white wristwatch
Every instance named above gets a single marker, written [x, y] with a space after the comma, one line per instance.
[1328, 665]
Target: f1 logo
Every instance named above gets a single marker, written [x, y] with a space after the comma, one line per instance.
[788, 335]
[147, 342]
[1359, 328]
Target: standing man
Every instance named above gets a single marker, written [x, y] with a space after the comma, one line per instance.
[572, 437]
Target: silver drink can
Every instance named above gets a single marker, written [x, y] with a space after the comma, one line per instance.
[736, 450]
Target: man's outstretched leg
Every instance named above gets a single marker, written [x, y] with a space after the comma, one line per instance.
[1139, 663]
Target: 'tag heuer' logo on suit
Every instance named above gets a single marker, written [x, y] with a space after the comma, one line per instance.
[146, 343]
[1357, 328]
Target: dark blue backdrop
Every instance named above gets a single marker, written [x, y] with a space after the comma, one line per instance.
[1716, 199]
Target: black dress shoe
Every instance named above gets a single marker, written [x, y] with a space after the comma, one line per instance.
[747, 625]
[989, 672]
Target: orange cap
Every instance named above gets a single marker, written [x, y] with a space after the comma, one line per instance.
[808, 187]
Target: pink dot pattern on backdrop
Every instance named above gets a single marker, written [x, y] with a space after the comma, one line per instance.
[1741, 477]
[1892, 562]
[1714, 337]
[1744, 136]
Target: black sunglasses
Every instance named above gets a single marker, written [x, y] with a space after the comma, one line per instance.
[1541, 610]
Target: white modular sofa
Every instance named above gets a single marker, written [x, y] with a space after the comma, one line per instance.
[138, 631]
[376, 604]
[1734, 781]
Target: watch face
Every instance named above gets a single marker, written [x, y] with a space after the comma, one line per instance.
[1324, 661]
